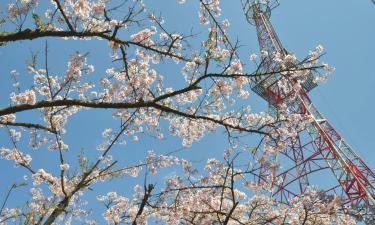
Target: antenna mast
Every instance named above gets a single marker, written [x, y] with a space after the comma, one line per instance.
[318, 149]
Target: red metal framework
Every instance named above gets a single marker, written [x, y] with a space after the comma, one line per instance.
[318, 147]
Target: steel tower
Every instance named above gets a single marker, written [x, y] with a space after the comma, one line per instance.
[318, 150]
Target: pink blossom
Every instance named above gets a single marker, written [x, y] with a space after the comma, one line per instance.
[27, 97]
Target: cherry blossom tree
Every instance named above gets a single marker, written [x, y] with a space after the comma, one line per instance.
[209, 95]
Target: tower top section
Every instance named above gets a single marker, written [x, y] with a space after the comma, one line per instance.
[252, 7]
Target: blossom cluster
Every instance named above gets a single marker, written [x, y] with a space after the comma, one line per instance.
[15, 155]
[21, 8]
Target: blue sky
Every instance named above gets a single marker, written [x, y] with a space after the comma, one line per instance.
[345, 28]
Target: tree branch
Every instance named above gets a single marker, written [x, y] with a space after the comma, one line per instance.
[148, 191]
[29, 125]
[29, 34]
[63, 14]
[73, 102]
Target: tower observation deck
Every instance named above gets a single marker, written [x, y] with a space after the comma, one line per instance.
[318, 150]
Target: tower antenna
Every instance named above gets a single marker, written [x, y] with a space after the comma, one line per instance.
[318, 150]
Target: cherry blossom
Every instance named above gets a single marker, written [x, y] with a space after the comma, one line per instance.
[143, 97]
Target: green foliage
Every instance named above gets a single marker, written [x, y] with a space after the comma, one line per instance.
[82, 161]
[253, 150]
[38, 22]
[2, 22]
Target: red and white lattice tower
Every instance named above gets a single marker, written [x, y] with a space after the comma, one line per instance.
[319, 153]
